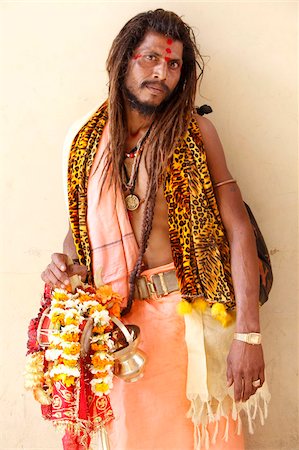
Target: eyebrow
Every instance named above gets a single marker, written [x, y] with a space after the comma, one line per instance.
[148, 49]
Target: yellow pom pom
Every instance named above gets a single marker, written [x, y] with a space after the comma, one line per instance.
[199, 305]
[218, 311]
[184, 307]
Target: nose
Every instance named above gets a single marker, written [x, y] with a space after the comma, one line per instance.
[160, 70]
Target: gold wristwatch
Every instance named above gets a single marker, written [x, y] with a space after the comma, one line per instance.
[250, 338]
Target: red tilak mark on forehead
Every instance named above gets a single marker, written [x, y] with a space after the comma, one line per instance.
[168, 50]
[169, 41]
[167, 58]
[137, 56]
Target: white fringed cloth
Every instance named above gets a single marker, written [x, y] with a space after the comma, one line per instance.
[208, 344]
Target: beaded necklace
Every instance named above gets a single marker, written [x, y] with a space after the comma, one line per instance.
[132, 200]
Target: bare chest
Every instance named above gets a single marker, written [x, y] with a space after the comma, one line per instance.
[158, 249]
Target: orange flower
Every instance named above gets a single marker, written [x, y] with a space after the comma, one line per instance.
[99, 363]
[59, 305]
[105, 292]
[85, 298]
[72, 350]
[71, 337]
[101, 374]
[69, 362]
[99, 348]
[115, 310]
[99, 330]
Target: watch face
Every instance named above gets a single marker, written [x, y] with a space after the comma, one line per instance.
[254, 339]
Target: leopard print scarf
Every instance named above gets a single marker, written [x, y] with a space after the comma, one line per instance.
[199, 244]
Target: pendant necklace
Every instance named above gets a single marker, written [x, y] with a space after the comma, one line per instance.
[132, 200]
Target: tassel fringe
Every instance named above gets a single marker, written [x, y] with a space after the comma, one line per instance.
[201, 414]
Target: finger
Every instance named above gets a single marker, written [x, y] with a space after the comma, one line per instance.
[60, 260]
[62, 277]
[262, 377]
[249, 389]
[76, 269]
[238, 388]
[229, 376]
[49, 278]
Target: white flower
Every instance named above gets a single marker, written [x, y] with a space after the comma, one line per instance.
[104, 356]
[106, 337]
[60, 291]
[106, 369]
[56, 311]
[51, 354]
[54, 338]
[70, 329]
[81, 292]
[101, 317]
[108, 380]
[70, 357]
[71, 313]
[110, 344]
[61, 368]
[71, 303]
[66, 344]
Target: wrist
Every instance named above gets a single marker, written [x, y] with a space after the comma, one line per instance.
[247, 324]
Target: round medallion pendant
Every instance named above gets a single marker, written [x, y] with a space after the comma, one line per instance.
[132, 202]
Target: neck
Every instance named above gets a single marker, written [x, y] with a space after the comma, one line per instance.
[138, 124]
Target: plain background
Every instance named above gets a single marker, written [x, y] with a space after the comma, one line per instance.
[52, 72]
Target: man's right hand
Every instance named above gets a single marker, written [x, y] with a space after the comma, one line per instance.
[58, 272]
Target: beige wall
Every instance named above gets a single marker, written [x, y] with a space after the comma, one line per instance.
[52, 72]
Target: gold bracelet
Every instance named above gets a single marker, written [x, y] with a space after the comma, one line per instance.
[222, 183]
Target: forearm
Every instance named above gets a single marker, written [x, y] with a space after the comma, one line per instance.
[245, 274]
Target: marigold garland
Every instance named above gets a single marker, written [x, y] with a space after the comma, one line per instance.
[68, 315]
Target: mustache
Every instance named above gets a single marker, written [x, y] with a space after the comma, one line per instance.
[158, 84]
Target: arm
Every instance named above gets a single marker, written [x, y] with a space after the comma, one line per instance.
[245, 361]
[58, 271]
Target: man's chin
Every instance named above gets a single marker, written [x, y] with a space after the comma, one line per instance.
[146, 108]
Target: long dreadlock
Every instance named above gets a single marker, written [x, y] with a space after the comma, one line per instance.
[170, 123]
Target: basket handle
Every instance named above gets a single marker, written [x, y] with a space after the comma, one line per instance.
[129, 336]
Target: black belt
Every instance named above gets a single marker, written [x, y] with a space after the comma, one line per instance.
[159, 284]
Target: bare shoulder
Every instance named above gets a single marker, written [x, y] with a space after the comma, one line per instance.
[205, 125]
[214, 149]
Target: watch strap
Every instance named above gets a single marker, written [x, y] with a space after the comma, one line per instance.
[249, 338]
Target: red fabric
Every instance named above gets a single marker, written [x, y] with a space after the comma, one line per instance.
[79, 409]
[71, 441]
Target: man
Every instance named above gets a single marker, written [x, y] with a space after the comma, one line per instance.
[152, 202]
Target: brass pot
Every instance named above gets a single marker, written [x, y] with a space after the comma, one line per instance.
[129, 359]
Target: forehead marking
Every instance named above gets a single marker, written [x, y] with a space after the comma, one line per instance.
[168, 50]
[169, 41]
[167, 58]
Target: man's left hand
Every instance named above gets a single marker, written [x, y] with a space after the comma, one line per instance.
[245, 364]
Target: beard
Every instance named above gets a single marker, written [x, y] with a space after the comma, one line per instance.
[145, 108]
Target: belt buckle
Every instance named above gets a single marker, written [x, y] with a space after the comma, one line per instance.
[162, 282]
[150, 286]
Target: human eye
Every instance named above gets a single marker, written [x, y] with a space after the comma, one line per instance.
[174, 65]
[150, 57]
